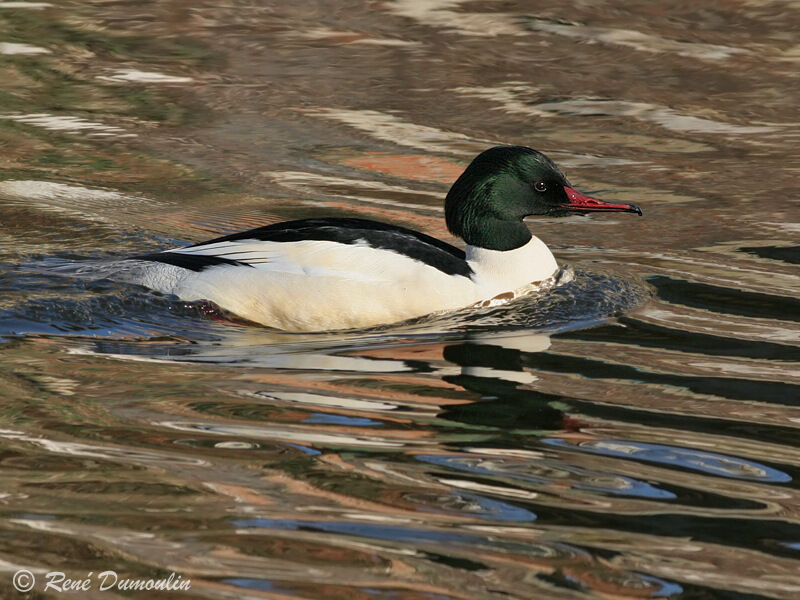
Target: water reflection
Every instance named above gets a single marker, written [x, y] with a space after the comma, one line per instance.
[708, 462]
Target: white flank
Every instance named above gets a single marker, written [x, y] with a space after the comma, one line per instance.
[322, 285]
[315, 285]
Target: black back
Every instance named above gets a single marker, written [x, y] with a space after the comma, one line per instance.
[415, 245]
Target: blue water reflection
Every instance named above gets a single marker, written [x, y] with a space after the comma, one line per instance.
[687, 458]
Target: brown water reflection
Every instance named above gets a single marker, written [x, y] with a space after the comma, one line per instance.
[593, 443]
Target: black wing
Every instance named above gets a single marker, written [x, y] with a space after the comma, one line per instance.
[416, 245]
[193, 262]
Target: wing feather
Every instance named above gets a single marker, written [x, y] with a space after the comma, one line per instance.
[316, 243]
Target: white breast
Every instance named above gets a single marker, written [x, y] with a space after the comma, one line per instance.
[497, 272]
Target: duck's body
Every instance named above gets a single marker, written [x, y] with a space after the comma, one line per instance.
[319, 274]
[322, 274]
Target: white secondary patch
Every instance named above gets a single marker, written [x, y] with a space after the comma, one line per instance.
[311, 257]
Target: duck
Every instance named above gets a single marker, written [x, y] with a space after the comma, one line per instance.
[323, 274]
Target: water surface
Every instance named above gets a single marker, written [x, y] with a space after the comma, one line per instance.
[631, 434]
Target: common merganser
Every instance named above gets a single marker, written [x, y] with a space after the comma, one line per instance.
[326, 274]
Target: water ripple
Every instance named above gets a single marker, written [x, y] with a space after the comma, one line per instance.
[686, 458]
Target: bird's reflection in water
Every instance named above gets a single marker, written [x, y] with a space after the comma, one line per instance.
[492, 366]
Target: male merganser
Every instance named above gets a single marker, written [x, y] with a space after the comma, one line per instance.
[324, 274]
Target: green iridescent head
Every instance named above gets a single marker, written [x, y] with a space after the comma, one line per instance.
[503, 185]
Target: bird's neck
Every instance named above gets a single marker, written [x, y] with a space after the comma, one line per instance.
[495, 234]
[507, 270]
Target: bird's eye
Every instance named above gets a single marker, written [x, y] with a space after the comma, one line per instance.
[540, 186]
